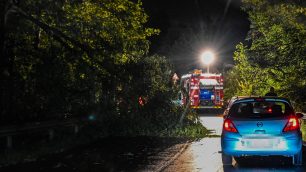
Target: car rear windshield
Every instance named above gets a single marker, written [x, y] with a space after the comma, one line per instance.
[260, 109]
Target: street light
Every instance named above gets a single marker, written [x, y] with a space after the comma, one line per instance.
[207, 58]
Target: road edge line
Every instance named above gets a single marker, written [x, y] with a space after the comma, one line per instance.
[167, 163]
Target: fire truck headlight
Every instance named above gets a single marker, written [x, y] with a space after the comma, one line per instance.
[212, 97]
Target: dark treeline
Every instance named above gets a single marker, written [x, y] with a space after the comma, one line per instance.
[276, 54]
[81, 58]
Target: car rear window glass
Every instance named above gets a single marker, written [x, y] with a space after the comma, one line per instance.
[260, 109]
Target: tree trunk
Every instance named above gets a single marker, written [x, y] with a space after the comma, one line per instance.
[2, 30]
[4, 75]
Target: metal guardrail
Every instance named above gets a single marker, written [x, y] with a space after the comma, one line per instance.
[10, 131]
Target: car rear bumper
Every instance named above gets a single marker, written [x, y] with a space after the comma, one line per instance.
[288, 145]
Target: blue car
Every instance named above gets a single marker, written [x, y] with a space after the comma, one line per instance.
[261, 126]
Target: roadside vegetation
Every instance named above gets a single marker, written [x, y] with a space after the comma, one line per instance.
[303, 128]
[86, 60]
[273, 54]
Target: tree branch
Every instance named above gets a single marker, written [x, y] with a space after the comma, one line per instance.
[55, 33]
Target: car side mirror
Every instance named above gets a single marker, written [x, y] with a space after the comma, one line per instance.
[299, 115]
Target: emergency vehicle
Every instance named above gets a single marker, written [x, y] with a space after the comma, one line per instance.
[203, 90]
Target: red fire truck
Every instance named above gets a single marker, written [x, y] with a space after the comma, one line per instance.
[203, 90]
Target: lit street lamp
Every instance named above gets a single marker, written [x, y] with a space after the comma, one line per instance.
[207, 58]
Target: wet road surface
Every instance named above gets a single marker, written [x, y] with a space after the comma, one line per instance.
[156, 154]
[204, 155]
[109, 155]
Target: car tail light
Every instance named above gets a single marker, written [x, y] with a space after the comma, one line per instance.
[229, 126]
[292, 124]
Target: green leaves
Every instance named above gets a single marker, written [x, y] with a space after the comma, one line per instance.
[68, 56]
[276, 55]
[245, 78]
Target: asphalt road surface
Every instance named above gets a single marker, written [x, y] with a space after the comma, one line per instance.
[155, 154]
[204, 155]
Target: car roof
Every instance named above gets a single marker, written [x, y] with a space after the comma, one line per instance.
[242, 97]
[235, 98]
[270, 98]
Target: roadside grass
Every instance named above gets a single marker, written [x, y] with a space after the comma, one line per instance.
[303, 128]
[188, 129]
[65, 141]
[91, 131]
[195, 131]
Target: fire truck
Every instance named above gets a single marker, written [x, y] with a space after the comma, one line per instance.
[203, 90]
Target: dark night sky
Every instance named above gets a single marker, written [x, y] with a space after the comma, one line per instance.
[190, 26]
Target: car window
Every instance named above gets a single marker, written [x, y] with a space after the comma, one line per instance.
[262, 109]
[230, 102]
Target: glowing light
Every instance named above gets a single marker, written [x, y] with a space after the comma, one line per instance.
[292, 124]
[92, 117]
[229, 126]
[208, 57]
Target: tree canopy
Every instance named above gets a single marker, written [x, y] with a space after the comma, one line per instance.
[79, 57]
[275, 55]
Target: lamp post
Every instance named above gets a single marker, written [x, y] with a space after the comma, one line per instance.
[207, 58]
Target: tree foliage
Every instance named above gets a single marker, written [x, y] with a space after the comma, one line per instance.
[245, 78]
[80, 57]
[277, 50]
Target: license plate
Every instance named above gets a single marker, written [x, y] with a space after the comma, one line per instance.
[259, 143]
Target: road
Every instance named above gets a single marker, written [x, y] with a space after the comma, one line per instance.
[154, 154]
[204, 155]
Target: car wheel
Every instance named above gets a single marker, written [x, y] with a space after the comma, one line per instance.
[226, 159]
[298, 158]
[239, 160]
